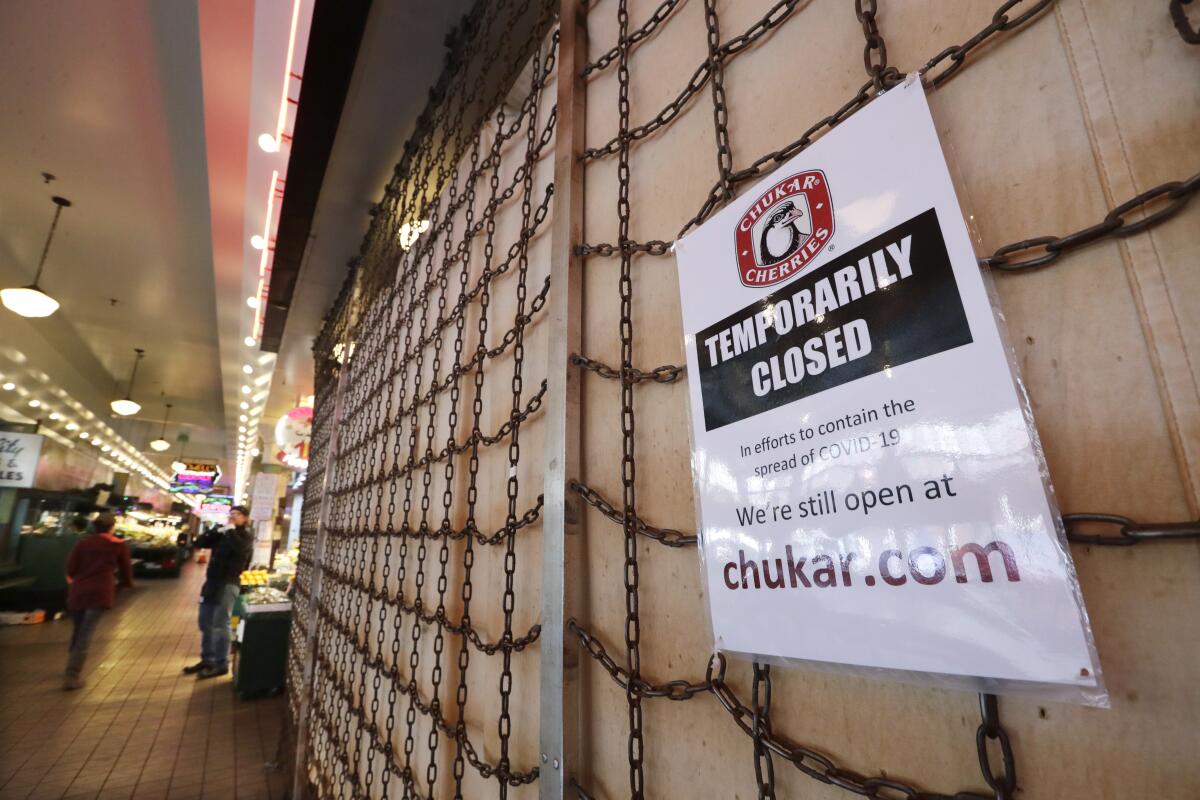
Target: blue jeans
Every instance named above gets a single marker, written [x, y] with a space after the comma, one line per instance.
[81, 636]
[214, 626]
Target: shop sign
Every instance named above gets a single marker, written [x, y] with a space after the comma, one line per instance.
[197, 477]
[871, 489]
[19, 453]
[217, 505]
[293, 432]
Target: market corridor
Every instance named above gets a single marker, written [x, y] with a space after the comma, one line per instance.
[139, 728]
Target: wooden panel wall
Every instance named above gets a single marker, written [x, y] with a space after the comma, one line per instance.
[1045, 129]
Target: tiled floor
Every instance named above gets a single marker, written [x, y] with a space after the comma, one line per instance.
[139, 728]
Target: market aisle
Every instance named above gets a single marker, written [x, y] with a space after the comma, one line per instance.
[139, 728]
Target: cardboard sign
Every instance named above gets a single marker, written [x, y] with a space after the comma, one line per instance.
[19, 453]
[870, 487]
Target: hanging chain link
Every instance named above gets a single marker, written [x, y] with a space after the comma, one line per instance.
[633, 666]
[1170, 198]
[398, 334]
[664, 374]
[399, 317]
[1190, 33]
[1134, 216]
[760, 731]
[990, 730]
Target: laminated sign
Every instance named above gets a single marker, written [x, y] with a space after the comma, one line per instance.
[872, 493]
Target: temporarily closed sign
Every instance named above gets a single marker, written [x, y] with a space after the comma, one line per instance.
[871, 490]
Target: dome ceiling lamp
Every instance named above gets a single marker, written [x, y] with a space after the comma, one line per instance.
[161, 444]
[31, 301]
[126, 406]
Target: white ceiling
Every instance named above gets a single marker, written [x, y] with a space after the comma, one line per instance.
[107, 97]
[148, 114]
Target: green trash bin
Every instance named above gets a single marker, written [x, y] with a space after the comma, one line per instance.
[260, 666]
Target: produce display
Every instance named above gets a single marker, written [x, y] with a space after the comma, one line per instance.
[254, 577]
[265, 594]
[153, 543]
[147, 536]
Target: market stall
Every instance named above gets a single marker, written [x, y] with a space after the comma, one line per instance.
[155, 543]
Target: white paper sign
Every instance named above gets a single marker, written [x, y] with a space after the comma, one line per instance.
[871, 489]
[19, 453]
[262, 499]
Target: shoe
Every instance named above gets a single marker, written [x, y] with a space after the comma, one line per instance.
[71, 682]
[212, 671]
[192, 669]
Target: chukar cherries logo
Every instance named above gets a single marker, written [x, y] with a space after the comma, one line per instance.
[785, 229]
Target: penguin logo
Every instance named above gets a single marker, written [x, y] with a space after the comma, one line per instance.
[784, 229]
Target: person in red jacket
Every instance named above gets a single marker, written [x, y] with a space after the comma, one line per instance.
[96, 563]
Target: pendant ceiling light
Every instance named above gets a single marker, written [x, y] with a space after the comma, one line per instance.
[126, 405]
[179, 465]
[161, 444]
[31, 301]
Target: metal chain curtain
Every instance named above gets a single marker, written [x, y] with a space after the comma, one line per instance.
[420, 604]
[755, 718]
[405, 482]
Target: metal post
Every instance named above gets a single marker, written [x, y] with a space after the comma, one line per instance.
[562, 526]
[300, 771]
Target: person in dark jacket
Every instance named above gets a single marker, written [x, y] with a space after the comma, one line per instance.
[95, 564]
[231, 552]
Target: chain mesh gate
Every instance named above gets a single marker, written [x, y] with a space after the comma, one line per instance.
[448, 289]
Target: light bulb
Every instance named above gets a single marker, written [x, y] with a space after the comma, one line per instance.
[55, 415]
[8, 387]
[243, 417]
[246, 368]
[254, 452]
[28, 301]
[257, 241]
[241, 428]
[249, 340]
[245, 405]
[160, 445]
[245, 390]
[268, 143]
[34, 403]
[125, 407]
[71, 426]
[83, 435]
[252, 302]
